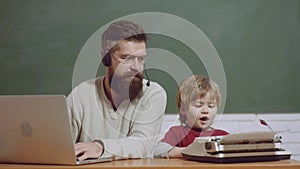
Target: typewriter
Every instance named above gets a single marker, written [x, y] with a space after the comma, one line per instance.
[242, 147]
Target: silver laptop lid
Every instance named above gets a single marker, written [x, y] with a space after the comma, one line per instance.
[35, 129]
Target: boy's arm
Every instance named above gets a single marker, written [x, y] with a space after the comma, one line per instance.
[162, 149]
[175, 152]
[167, 146]
[165, 150]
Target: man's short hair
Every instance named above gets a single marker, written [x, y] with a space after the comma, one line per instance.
[122, 30]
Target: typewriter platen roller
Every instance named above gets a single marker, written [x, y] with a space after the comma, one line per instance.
[242, 147]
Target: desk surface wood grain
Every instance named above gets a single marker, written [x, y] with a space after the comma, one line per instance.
[164, 164]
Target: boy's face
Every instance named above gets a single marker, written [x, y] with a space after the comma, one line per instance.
[200, 113]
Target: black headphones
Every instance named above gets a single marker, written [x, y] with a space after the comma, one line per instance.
[106, 60]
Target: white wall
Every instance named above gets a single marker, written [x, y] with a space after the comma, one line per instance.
[289, 123]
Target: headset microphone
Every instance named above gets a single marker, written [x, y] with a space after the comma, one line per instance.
[148, 82]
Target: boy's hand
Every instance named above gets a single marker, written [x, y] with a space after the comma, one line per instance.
[175, 152]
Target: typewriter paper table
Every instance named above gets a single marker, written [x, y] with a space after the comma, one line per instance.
[165, 164]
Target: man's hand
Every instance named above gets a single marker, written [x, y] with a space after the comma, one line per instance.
[88, 150]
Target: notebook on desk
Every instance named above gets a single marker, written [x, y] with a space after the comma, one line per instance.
[36, 129]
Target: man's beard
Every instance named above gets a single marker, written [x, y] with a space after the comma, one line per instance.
[131, 88]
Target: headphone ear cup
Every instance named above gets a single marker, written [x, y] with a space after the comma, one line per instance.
[106, 59]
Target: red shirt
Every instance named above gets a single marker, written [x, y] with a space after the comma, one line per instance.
[182, 136]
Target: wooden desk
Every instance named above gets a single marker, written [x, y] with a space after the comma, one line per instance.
[165, 164]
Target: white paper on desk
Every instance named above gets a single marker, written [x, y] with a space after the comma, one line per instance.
[201, 139]
[209, 138]
[249, 137]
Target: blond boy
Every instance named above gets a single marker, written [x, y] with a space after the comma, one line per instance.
[198, 100]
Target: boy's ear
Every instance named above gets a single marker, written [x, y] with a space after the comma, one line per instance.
[182, 110]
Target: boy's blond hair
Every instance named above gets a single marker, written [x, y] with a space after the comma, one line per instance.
[192, 88]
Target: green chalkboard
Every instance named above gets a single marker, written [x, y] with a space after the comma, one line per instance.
[257, 42]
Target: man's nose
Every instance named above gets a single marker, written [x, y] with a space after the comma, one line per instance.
[136, 65]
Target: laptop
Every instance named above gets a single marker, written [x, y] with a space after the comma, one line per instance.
[36, 129]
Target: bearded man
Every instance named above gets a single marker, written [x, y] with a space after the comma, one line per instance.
[118, 115]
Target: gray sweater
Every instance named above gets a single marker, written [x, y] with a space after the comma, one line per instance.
[130, 132]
